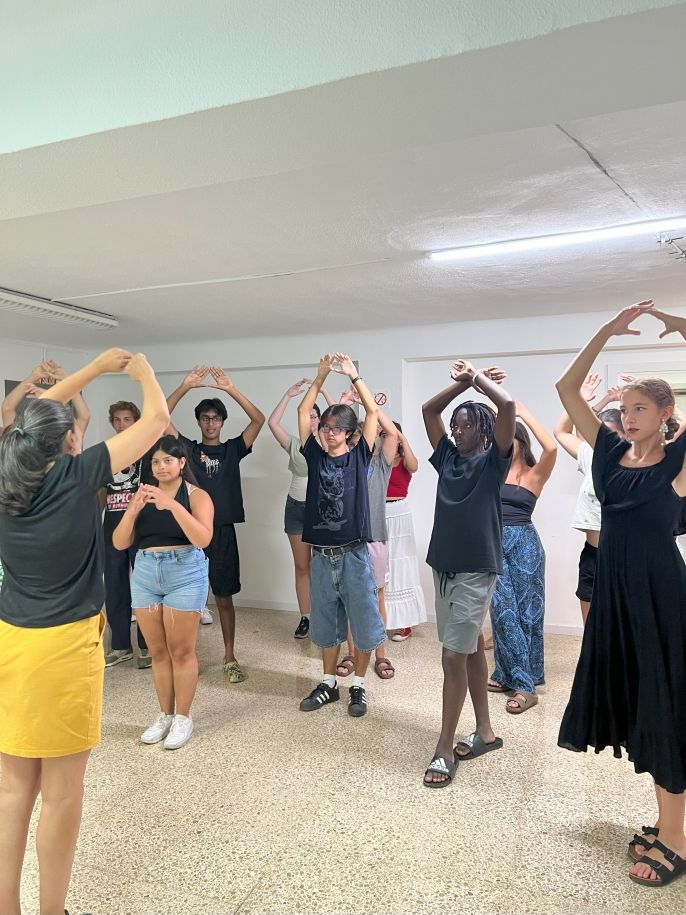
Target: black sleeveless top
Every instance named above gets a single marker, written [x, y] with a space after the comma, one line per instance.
[518, 504]
[155, 527]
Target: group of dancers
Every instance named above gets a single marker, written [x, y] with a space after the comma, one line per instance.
[175, 502]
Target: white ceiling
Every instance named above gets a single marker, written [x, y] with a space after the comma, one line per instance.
[316, 206]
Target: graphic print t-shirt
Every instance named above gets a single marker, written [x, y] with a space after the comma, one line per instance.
[119, 493]
[216, 468]
[337, 502]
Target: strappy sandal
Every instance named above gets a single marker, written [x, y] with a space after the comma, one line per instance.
[639, 841]
[345, 666]
[439, 765]
[664, 874]
[234, 673]
[386, 672]
[523, 701]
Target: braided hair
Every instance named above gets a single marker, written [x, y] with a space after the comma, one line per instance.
[481, 416]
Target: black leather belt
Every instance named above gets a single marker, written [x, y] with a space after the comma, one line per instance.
[337, 550]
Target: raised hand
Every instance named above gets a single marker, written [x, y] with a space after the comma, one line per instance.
[673, 324]
[347, 397]
[494, 373]
[138, 367]
[626, 378]
[113, 360]
[589, 387]
[613, 394]
[296, 389]
[620, 325]
[461, 367]
[221, 380]
[344, 365]
[325, 365]
[196, 377]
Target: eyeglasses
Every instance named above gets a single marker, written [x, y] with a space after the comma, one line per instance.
[204, 418]
[326, 428]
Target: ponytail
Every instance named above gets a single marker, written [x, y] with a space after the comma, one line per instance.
[27, 446]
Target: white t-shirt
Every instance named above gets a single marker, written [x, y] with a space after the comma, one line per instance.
[298, 468]
[587, 512]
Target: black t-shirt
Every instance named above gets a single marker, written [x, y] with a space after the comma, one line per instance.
[53, 554]
[337, 502]
[217, 472]
[119, 493]
[468, 527]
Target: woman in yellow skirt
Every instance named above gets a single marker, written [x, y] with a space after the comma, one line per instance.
[51, 657]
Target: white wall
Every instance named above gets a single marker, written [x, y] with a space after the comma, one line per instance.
[409, 364]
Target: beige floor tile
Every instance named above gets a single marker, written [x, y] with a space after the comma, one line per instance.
[269, 810]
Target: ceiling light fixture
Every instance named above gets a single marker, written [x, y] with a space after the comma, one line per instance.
[34, 306]
[543, 242]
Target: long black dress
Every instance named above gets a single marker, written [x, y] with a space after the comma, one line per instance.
[630, 684]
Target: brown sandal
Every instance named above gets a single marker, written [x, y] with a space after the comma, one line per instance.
[345, 666]
[523, 701]
[384, 673]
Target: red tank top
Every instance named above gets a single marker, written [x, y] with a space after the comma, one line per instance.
[398, 482]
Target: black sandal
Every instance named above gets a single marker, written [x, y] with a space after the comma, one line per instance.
[441, 766]
[664, 874]
[637, 840]
[476, 746]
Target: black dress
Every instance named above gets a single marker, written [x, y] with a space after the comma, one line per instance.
[630, 684]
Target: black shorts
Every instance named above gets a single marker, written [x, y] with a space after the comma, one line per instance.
[587, 564]
[225, 570]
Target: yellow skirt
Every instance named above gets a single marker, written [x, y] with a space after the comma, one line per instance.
[51, 684]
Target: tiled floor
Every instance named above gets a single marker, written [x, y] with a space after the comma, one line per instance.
[269, 810]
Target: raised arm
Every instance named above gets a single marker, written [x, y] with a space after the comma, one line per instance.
[327, 397]
[489, 382]
[409, 458]
[42, 372]
[390, 440]
[308, 401]
[546, 462]
[347, 367]
[569, 385]
[274, 421]
[112, 360]
[564, 427]
[224, 383]
[194, 379]
[131, 444]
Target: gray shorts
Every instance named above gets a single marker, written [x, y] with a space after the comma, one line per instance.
[462, 602]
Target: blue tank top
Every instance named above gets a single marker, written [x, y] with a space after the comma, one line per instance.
[518, 505]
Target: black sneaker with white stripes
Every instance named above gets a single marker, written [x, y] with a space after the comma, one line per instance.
[357, 701]
[303, 628]
[320, 695]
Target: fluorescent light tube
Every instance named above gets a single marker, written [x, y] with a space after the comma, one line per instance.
[543, 242]
[38, 307]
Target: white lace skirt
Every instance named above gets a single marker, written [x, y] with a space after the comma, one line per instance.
[404, 596]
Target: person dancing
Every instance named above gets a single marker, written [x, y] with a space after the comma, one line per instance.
[294, 514]
[51, 655]
[170, 524]
[465, 551]
[518, 604]
[630, 681]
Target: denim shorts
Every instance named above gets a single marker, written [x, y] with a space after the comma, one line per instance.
[293, 516]
[462, 601]
[342, 591]
[176, 578]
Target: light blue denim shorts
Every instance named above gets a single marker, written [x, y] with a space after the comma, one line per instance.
[176, 578]
[342, 590]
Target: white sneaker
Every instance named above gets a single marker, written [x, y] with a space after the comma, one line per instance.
[206, 617]
[180, 732]
[158, 730]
